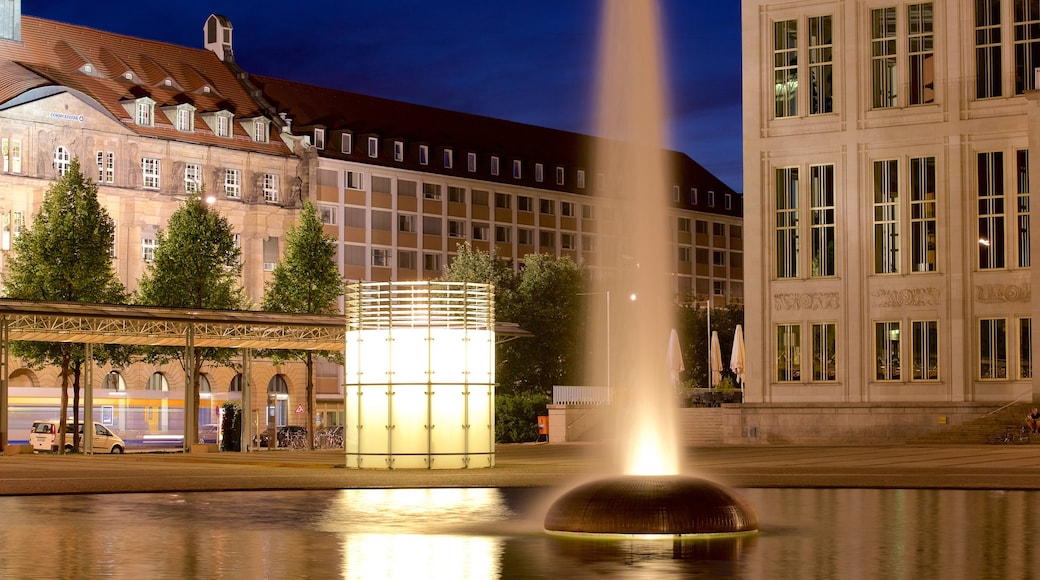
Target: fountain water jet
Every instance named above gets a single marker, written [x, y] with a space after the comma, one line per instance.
[651, 498]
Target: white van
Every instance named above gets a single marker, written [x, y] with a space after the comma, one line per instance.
[43, 435]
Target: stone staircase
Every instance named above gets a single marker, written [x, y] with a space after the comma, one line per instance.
[979, 430]
[701, 426]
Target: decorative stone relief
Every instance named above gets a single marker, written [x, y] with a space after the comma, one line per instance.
[1003, 293]
[806, 301]
[906, 297]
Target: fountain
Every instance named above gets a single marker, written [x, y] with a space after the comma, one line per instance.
[651, 497]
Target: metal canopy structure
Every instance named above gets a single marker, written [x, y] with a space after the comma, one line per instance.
[89, 324]
[151, 326]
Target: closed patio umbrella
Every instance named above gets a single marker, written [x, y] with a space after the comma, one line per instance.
[716, 359]
[675, 361]
[736, 359]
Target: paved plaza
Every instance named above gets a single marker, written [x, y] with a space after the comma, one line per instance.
[529, 465]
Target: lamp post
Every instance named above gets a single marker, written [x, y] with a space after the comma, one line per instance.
[606, 294]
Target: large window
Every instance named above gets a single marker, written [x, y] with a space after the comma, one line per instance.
[270, 188]
[788, 352]
[148, 249]
[150, 171]
[884, 78]
[824, 352]
[406, 223]
[821, 66]
[993, 348]
[925, 347]
[823, 213]
[921, 50]
[62, 161]
[106, 164]
[987, 49]
[1022, 171]
[1025, 348]
[431, 191]
[886, 351]
[1027, 44]
[886, 217]
[922, 215]
[785, 67]
[233, 183]
[192, 178]
[786, 222]
[991, 210]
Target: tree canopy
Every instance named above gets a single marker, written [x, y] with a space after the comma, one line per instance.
[542, 299]
[196, 262]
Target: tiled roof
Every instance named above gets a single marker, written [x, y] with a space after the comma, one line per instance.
[54, 53]
[342, 111]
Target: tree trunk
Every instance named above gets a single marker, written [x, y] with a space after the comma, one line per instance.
[195, 382]
[75, 406]
[310, 400]
[62, 427]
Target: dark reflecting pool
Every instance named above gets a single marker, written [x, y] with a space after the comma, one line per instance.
[493, 533]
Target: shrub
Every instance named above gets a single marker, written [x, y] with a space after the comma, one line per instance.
[516, 416]
[231, 427]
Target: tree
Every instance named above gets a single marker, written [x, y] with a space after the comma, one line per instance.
[543, 300]
[306, 281]
[545, 303]
[475, 265]
[196, 265]
[65, 255]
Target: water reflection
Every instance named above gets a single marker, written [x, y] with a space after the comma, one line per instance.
[490, 533]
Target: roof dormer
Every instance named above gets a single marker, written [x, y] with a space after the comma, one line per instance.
[217, 37]
[219, 122]
[141, 110]
[259, 128]
[181, 116]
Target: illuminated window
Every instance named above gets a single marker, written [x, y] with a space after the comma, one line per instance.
[270, 188]
[192, 178]
[887, 351]
[993, 348]
[62, 160]
[233, 183]
[150, 169]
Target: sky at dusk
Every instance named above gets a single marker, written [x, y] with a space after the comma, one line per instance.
[531, 62]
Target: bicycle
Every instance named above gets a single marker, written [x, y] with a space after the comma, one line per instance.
[1019, 436]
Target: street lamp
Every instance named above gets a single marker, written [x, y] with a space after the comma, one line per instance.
[606, 293]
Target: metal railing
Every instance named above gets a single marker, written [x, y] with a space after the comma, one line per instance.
[582, 395]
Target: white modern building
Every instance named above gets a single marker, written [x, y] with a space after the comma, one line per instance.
[887, 221]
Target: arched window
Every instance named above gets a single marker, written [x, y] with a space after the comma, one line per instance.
[157, 382]
[114, 382]
[236, 384]
[61, 161]
[278, 393]
[277, 385]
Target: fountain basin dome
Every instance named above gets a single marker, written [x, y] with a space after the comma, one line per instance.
[651, 505]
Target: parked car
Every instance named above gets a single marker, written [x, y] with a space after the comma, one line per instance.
[43, 437]
[209, 433]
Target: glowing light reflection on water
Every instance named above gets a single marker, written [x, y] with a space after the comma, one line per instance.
[491, 533]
